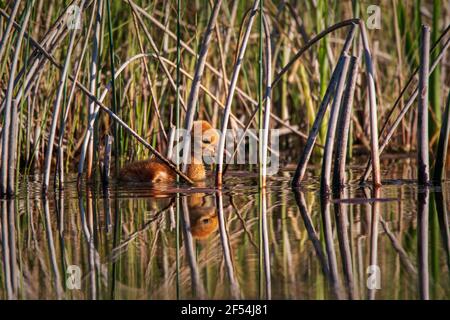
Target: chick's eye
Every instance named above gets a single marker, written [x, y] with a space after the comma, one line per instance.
[206, 141]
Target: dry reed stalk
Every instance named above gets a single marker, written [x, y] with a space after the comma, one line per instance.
[6, 33]
[441, 153]
[10, 123]
[268, 101]
[107, 160]
[232, 87]
[304, 158]
[171, 142]
[93, 78]
[344, 125]
[423, 162]
[56, 109]
[413, 75]
[195, 87]
[373, 106]
[12, 152]
[325, 180]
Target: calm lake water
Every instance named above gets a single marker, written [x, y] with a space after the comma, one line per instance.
[132, 242]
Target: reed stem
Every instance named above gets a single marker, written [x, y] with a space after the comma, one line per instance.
[423, 164]
[373, 107]
[56, 110]
[232, 87]
[268, 100]
[9, 128]
[304, 158]
[6, 33]
[107, 160]
[325, 180]
[441, 154]
[307, 151]
[114, 101]
[93, 78]
[344, 126]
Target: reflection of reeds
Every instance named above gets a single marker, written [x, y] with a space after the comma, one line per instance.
[227, 252]
[141, 254]
[198, 289]
[422, 242]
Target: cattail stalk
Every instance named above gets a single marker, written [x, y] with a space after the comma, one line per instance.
[114, 101]
[435, 77]
[331, 131]
[93, 78]
[268, 100]
[344, 125]
[423, 174]
[441, 154]
[307, 151]
[107, 160]
[373, 106]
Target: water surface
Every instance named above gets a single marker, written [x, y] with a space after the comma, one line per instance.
[134, 242]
